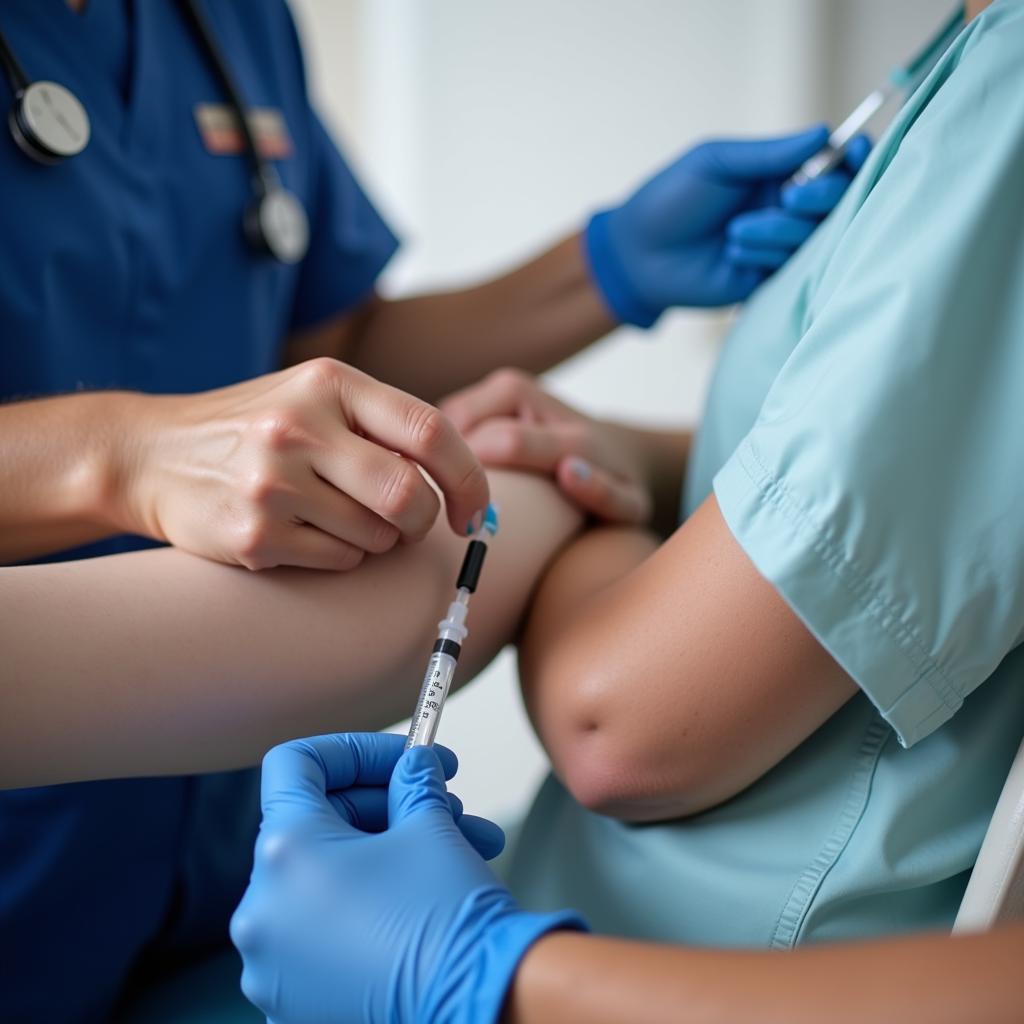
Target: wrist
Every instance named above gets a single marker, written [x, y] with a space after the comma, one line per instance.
[485, 959]
[609, 274]
[130, 424]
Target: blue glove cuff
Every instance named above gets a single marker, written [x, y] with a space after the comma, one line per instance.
[503, 949]
[610, 276]
[476, 987]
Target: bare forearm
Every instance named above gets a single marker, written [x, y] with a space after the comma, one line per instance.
[931, 979]
[159, 662]
[60, 459]
[532, 318]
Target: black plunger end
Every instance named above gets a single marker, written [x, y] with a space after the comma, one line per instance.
[469, 574]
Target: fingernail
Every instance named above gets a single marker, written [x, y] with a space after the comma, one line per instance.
[491, 519]
[473, 526]
[579, 469]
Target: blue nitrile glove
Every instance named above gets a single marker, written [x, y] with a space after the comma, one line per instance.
[709, 228]
[370, 900]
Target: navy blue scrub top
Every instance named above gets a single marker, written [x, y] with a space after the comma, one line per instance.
[126, 267]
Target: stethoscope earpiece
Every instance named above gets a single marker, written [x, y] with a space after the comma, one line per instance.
[48, 122]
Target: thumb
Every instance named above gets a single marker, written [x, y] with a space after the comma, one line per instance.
[417, 785]
[752, 159]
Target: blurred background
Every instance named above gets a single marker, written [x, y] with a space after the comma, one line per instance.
[486, 129]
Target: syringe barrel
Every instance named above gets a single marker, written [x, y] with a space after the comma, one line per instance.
[437, 683]
[828, 158]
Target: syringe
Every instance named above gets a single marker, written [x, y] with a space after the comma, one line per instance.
[451, 631]
[902, 79]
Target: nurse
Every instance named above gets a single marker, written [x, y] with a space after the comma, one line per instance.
[144, 335]
[786, 724]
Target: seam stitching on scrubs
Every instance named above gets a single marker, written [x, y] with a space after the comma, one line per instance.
[882, 611]
[808, 885]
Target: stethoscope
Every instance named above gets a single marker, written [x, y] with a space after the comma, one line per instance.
[49, 124]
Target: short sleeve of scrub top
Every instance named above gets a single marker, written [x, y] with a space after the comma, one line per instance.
[864, 435]
[880, 487]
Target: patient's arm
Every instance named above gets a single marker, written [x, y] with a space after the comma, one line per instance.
[160, 662]
[919, 979]
[664, 680]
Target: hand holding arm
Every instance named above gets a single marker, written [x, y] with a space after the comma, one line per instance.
[314, 466]
[614, 472]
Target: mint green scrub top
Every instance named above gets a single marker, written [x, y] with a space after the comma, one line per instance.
[864, 438]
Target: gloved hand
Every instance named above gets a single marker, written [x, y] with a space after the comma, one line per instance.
[709, 228]
[369, 899]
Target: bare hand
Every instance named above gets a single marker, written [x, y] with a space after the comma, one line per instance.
[508, 420]
[313, 466]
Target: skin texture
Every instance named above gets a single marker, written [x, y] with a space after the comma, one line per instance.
[689, 710]
[926, 979]
[158, 662]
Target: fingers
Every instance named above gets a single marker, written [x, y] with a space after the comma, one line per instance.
[756, 159]
[769, 229]
[498, 394]
[344, 518]
[388, 486]
[817, 197]
[503, 393]
[858, 149]
[270, 544]
[483, 835]
[531, 446]
[299, 773]
[366, 807]
[312, 774]
[426, 436]
[751, 258]
[601, 494]
[417, 787]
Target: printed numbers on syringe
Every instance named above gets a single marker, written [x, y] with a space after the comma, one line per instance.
[436, 686]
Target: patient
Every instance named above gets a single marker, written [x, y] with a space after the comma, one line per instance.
[790, 721]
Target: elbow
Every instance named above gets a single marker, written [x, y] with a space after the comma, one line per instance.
[601, 777]
[616, 758]
[606, 776]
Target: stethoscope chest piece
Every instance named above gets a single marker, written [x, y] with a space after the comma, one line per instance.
[276, 223]
[48, 122]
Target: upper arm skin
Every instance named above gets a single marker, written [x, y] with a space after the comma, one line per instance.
[664, 681]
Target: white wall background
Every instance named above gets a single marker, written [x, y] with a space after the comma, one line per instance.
[487, 128]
